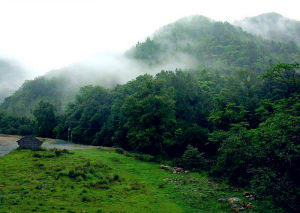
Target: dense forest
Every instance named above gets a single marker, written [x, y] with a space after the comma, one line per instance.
[235, 113]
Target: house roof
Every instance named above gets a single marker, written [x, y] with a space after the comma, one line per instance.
[29, 138]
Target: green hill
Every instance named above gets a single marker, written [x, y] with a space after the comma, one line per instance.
[217, 45]
[32, 92]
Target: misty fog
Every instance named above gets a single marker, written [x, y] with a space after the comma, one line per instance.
[12, 75]
[272, 26]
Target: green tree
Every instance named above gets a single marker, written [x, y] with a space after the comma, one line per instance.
[88, 114]
[283, 79]
[150, 116]
[45, 119]
[192, 159]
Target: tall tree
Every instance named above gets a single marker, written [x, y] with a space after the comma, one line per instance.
[45, 119]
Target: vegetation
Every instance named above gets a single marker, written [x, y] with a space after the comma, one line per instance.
[214, 45]
[103, 181]
[238, 119]
[243, 127]
[15, 125]
[197, 42]
[25, 99]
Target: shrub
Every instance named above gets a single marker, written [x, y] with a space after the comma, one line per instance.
[119, 150]
[144, 157]
[192, 159]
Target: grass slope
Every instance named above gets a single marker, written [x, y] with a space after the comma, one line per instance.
[102, 181]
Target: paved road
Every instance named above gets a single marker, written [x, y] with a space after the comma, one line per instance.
[8, 143]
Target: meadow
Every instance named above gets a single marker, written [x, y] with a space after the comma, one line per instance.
[98, 180]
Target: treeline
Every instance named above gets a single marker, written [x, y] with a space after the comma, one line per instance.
[244, 127]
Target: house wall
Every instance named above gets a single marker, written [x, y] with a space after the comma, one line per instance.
[30, 145]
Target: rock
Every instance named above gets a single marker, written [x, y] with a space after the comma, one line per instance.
[250, 195]
[237, 208]
[249, 206]
[186, 172]
[177, 170]
[234, 206]
[221, 200]
[165, 167]
[233, 200]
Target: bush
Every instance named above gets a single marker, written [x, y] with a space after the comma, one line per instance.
[192, 159]
[144, 157]
[119, 150]
[267, 157]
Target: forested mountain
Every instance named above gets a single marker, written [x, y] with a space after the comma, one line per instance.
[193, 42]
[272, 26]
[211, 44]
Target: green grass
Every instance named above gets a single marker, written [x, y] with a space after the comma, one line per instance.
[97, 180]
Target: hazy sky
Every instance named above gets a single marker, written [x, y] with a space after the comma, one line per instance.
[47, 34]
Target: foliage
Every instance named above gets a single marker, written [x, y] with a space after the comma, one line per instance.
[217, 45]
[192, 159]
[15, 125]
[86, 116]
[25, 99]
[266, 156]
[246, 127]
[150, 116]
[45, 119]
[92, 180]
[283, 79]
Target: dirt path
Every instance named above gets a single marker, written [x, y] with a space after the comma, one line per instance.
[8, 143]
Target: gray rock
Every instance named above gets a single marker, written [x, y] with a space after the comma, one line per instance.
[221, 200]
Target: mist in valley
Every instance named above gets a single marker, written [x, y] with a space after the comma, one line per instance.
[12, 76]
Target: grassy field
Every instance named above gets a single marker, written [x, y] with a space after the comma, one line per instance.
[98, 180]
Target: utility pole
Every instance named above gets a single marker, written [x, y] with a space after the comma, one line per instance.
[69, 131]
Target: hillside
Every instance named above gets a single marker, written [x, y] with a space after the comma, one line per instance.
[272, 26]
[104, 181]
[60, 86]
[217, 45]
[23, 101]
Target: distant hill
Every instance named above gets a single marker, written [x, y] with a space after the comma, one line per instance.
[272, 26]
[208, 43]
[60, 86]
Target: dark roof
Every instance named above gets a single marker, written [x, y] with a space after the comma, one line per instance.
[29, 138]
